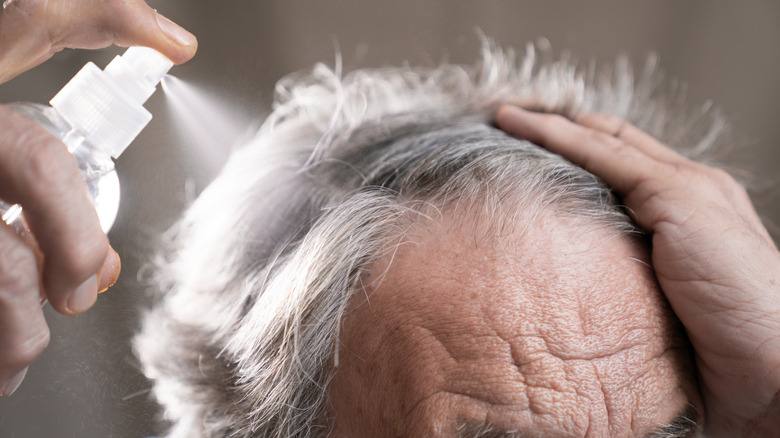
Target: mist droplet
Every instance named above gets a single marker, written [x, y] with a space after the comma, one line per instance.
[209, 127]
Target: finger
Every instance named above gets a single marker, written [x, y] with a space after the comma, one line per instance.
[136, 24]
[31, 31]
[109, 272]
[106, 277]
[23, 330]
[657, 150]
[95, 24]
[24, 42]
[38, 172]
[630, 134]
[618, 163]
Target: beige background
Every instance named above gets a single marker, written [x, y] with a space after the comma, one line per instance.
[87, 384]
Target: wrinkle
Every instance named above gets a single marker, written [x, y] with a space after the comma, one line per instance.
[543, 335]
[604, 401]
[480, 416]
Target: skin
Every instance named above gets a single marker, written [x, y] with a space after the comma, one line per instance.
[714, 260]
[580, 344]
[63, 256]
[555, 329]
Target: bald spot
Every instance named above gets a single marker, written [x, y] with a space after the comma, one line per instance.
[555, 329]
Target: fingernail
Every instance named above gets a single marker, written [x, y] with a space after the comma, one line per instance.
[83, 297]
[176, 32]
[12, 384]
[109, 273]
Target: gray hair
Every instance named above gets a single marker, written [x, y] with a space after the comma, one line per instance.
[243, 340]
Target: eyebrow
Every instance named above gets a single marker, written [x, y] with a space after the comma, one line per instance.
[683, 425]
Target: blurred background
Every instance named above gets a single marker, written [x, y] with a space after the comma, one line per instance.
[87, 383]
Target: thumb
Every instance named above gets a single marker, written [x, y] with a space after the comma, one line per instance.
[31, 31]
[146, 27]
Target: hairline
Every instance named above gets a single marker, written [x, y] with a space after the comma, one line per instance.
[313, 115]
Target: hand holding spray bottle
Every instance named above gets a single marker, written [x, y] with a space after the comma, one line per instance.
[97, 115]
[62, 227]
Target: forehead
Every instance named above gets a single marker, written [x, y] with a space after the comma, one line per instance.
[556, 328]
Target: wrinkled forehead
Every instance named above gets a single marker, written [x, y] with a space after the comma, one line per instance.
[556, 327]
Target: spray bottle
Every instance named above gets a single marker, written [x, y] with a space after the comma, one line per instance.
[97, 115]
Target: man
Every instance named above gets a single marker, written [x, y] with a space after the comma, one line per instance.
[381, 261]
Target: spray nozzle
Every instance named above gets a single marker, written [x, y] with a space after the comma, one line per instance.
[106, 107]
[139, 71]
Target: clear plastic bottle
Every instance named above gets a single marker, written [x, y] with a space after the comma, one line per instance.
[97, 115]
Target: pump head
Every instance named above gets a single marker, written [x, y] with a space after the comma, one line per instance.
[106, 107]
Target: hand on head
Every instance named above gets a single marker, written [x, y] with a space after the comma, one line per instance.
[714, 260]
[65, 256]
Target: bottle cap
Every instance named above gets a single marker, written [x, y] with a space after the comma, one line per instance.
[106, 106]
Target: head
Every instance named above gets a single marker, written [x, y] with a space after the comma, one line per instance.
[380, 261]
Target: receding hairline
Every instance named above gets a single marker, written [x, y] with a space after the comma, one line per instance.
[427, 228]
[314, 115]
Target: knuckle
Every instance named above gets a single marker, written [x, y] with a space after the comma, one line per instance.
[611, 119]
[740, 193]
[736, 191]
[21, 352]
[86, 255]
[612, 124]
[724, 178]
[645, 182]
[603, 137]
[627, 124]
[116, 9]
[49, 167]
[720, 179]
[18, 268]
[616, 145]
